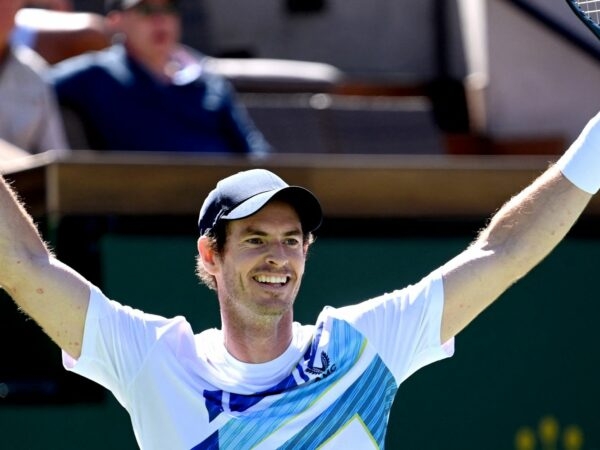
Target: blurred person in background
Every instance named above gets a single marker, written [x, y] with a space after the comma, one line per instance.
[29, 115]
[148, 92]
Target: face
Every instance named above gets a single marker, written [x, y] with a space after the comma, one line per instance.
[152, 27]
[261, 268]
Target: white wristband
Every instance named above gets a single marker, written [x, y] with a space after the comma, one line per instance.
[581, 162]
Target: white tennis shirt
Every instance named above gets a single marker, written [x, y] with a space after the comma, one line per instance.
[332, 388]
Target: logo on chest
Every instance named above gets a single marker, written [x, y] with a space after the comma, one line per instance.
[326, 368]
[318, 364]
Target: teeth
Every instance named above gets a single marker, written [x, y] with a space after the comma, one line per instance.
[276, 279]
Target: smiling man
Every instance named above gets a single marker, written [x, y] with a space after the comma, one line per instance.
[262, 380]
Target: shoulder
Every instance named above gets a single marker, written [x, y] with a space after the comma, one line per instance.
[115, 315]
[95, 63]
[411, 304]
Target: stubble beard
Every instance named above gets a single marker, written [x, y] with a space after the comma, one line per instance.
[244, 305]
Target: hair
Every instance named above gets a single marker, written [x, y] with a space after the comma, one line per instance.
[217, 238]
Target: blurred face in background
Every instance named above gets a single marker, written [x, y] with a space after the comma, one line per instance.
[152, 29]
[8, 10]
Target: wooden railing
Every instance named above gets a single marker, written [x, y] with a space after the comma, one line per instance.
[349, 186]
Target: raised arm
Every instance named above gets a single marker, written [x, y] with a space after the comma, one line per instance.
[521, 233]
[45, 289]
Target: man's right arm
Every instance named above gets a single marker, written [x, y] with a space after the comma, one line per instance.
[51, 293]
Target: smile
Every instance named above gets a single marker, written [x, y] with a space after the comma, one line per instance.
[271, 279]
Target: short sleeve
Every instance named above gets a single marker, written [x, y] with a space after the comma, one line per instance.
[117, 340]
[404, 326]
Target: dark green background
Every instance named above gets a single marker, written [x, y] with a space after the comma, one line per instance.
[532, 354]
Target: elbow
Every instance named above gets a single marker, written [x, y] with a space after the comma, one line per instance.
[516, 259]
[19, 268]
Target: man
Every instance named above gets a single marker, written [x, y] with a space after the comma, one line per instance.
[29, 116]
[263, 381]
[150, 93]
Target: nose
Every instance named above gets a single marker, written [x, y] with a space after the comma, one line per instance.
[277, 255]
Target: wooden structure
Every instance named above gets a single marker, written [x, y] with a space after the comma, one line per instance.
[349, 186]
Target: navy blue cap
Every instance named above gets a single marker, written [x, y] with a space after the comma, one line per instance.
[244, 193]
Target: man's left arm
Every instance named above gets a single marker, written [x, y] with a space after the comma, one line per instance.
[522, 233]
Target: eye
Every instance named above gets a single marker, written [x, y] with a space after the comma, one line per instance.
[292, 242]
[254, 241]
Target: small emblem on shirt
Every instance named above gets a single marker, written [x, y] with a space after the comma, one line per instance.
[326, 368]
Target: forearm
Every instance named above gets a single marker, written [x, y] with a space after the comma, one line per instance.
[54, 295]
[521, 233]
[533, 222]
[19, 237]
[530, 225]
[21, 247]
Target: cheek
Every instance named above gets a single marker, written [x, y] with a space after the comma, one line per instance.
[169, 27]
[233, 272]
[176, 28]
[300, 264]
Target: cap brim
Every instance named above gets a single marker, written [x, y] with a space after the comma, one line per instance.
[305, 203]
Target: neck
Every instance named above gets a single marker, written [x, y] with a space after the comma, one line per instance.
[260, 341]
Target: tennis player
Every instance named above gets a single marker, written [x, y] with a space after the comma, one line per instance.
[263, 381]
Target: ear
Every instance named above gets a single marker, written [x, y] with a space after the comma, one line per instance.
[207, 255]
